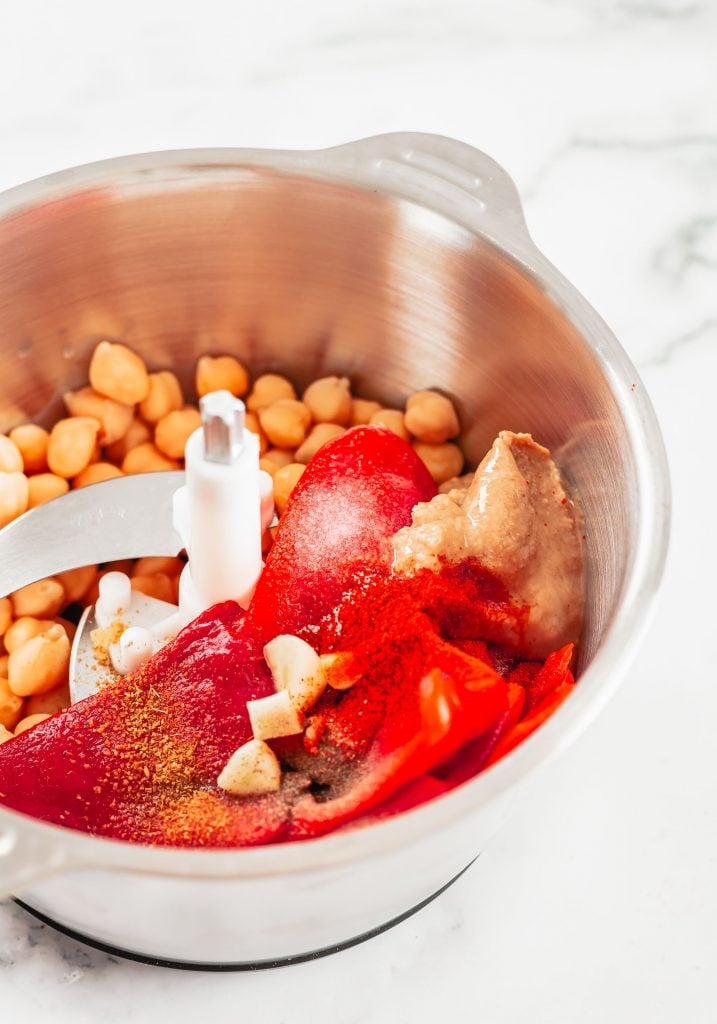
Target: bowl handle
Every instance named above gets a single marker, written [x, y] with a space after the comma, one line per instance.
[443, 174]
[27, 857]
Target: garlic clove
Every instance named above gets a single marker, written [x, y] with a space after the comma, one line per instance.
[295, 667]
[252, 770]
[275, 715]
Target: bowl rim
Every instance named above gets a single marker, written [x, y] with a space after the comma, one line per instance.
[467, 188]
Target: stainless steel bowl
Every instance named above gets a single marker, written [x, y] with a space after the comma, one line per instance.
[404, 262]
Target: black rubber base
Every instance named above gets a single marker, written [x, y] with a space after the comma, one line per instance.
[257, 965]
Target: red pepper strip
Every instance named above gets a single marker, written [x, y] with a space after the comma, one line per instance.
[425, 721]
[531, 722]
[473, 757]
[548, 677]
[413, 794]
[357, 491]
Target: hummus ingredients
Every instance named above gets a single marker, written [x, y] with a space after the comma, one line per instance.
[269, 388]
[443, 461]
[221, 373]
[14, 496]
[41, 663]
[411, 683]
[431, 417]
[11, 460]
[164, 396]
[329, 400]
[72, 445]
[285, 423]
[381, 662]
[119, 373]
[31, 442]
[44, 487]
[516, 520]
[114, 418]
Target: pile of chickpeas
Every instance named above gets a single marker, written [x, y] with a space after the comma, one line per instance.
[128, 420]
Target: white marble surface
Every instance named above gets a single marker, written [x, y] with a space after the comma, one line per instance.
[598, 900]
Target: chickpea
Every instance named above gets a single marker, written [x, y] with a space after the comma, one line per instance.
[269, 388]
[42, 599]
[173, 430]
[251, 421]
[157, 585]
[41, 664]
[44, 487]
[49, 703]
[138, 433]
[457, 483]
[319, 436]
[32, 442]
[221, 373]
[96, 473]
[431, 417]
[441, 460]
[279, 456]
[118, 372]
[362, 409]
[5, 615]
[72, 444]
[77, 582]
[145, 458]
[28, 722]
[164, 396]
[114, 418]
[24, 629]
[393, 420]
[4, 659]
[285, 480]
[11, 460]
[11, 706]
[268, 466]
[5, 735]
[286, 422]
[14, 496]
[329, 400]
[157, 563]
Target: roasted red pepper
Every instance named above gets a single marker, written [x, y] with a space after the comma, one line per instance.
[356, 492]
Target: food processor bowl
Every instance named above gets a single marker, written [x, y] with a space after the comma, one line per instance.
[402, 261]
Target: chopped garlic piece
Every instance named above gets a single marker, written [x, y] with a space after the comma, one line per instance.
[296, 668]
[274, 715]
[253, 769]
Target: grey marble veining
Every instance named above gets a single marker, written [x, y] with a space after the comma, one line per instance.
[597, 901]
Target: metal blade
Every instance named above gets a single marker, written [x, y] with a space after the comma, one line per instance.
[128, 517]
